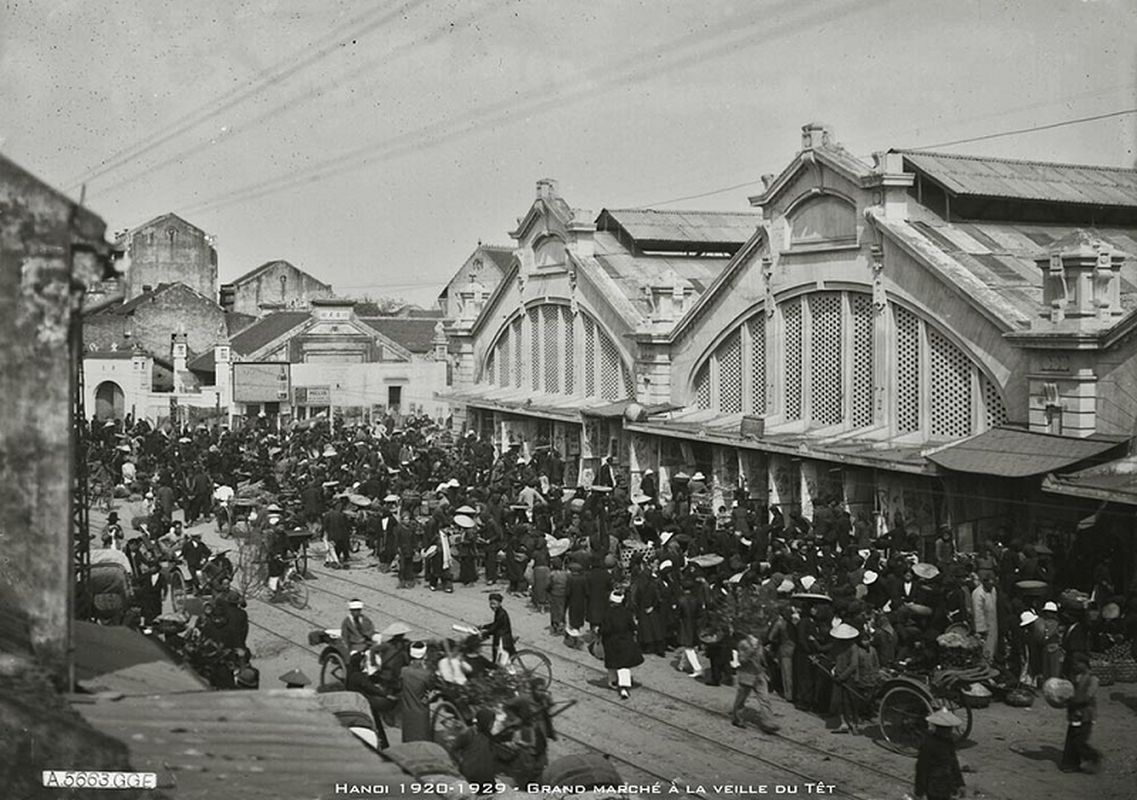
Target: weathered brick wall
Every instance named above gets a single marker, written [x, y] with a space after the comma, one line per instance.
[297, 290]
[155, 256]
[154, 320]
[37, 230]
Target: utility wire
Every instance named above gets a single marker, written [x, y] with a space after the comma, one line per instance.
[281, 71]
[637, 67]
[283, 108]
[1031, 129]
[701, 194]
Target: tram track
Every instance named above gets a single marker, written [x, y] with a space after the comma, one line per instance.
[735, 751]
[639, 769]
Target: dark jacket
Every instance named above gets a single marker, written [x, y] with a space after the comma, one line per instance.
[937, 768]
[618, 632]
[417, 681]
[501, 629]
[576, 599]
[599, 586]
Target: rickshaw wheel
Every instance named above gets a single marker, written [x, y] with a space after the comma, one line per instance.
[333, 672]
[446, 723]
[533, 664]
[297, 592]
[963, 712]
[902, 713]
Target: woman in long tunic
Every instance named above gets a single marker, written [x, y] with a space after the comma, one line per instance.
[646, 598]
[541, 575]
[621, 650]
[599, 587]
[576, 599]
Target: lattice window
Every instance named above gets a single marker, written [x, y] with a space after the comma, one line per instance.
[951, 388]
[610, 367]
[758, 364]
[516, 336]
[826, 373]
[535, 350]
[907, 370]
[996, 409]
[863, 382]
[489, 374]
[791, 317]
[629, 383]
[703, 387]
[589, 357]
[504, 362]
[730, 374]
[552, 336]
[570, 350]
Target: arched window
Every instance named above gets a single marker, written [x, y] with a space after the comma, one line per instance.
[825, 219]
[549, 349]
[832, 357]
[549, 252]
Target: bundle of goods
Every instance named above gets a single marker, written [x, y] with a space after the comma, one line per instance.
[1057, 692]
[1020, 698]
[1124, 664]
[959, 649]
[630, 548]
[1073, 599]
[494, 688]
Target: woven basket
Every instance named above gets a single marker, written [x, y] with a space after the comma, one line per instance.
[1125, 670]
[1103, 670]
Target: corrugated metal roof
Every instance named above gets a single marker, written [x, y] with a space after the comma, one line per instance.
[118, 659]
[1012, 453]
[1003, 255]
[252, 745]
[1028, 180]
[681, 227]
[1115, 481]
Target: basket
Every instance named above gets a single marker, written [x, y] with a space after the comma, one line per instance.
[1103, 670]
[975, 701]
[1020, 698]
[1125, 670]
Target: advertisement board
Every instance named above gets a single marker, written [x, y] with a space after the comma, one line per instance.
[261, 382]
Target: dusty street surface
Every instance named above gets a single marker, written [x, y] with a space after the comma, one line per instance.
[675, 729]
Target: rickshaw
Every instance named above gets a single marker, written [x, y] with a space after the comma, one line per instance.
[518, 694]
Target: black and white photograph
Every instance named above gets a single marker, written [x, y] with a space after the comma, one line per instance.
[568, 400]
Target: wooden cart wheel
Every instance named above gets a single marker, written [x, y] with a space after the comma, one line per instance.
[533, 664]
[333, 672]
[297, 591]
[902, 718]
[446, 723]
[963, 711]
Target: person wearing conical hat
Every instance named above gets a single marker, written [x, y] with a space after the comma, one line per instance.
[295, 679]
[938, 776]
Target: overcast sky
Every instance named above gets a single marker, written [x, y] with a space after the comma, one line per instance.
[374, 143]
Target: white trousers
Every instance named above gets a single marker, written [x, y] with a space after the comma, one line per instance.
[693, 660]
[621, 677]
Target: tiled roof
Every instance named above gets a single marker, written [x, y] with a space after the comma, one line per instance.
[500, 256]
[1115, 481]
[414, 333]
[118, 659]
[1027, 180]
[1000, 256]
[1013, 453]
[155, 221]
[254, 337]
[678, 228]
[253, 273]
[252, 745]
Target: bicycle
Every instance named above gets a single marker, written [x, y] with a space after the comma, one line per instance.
[292, 586]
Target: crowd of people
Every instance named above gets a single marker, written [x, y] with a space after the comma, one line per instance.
[636, 572]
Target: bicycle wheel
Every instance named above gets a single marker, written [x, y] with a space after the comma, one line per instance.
[297, 592]
[302, 560]
[533, 665]
[902, 723]
[177, 583]
[446, 724]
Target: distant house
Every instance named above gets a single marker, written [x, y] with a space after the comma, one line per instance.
[329, 360]
[273, 286]
[167, 250]
[485, 267]
[150, 319]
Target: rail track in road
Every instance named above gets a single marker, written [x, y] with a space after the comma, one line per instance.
[639, 769]
[899, 784]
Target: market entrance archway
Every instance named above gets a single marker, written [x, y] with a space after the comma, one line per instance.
[110, 401]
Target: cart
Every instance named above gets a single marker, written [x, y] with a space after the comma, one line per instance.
[902, 701]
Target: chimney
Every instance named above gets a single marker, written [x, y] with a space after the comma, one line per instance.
[179, 354]
[815, 135]
[223, 377]
[547, 189]
[440, 342]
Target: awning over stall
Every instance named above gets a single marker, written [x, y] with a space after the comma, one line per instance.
[1015, 453]
[1114, 481]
